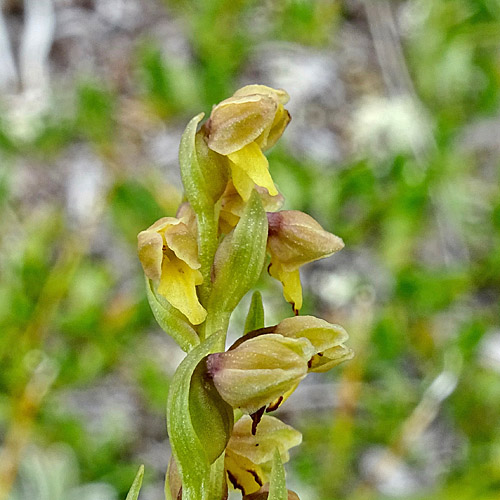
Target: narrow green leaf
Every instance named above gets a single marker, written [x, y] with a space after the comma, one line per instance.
[239, 259]
[187, 449]
[136, 485]
[171, 320]
[277, 482]
[255, 316]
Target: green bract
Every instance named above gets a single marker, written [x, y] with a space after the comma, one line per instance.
[189, 452]
[239, 260]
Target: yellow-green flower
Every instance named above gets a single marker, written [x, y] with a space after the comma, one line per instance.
[243, 126]
[260, 371]
[248, 459]
[295, 239]
[263, 494]
[168, 252]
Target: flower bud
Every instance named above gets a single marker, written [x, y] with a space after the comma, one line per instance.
[244, 125]
[253, 113]
[260, 370]
[249, 456]
[326, 338]
[295, 239]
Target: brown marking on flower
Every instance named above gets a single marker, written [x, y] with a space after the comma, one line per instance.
[251, 335]
[274, 405]
[256, 418]
[234, 482]
[258, 480]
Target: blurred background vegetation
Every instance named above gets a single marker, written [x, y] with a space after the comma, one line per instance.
[394, 146]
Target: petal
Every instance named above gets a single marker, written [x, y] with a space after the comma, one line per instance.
[150, 250]
[270, 136]
[187, 215]
[292, 288]
[252, 161]
[178, 285]
[181, 240]
[241, 180]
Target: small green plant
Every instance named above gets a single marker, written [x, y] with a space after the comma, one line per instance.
[198, 266]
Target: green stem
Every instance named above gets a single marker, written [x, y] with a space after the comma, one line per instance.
[215, 322]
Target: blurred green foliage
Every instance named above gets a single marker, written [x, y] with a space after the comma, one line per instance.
[73, 313]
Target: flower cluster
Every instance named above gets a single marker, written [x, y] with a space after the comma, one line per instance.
[198, 265]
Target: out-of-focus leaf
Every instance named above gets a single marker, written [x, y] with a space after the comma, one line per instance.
[136, 485]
